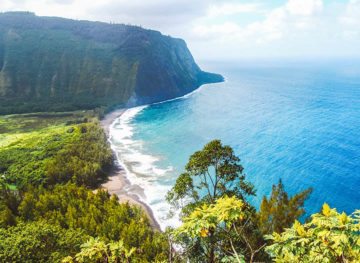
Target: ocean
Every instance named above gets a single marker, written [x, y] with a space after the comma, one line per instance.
[294, 120]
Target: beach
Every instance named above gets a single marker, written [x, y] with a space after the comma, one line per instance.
[118, 183]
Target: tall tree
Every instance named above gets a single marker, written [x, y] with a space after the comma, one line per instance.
[280, 211]
[9, 202]
[212, 173]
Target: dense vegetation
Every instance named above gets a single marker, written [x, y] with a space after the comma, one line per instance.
[96, 250]
[328, 237]
[39, 242]
[219, 223]
[56, 64]
[73, 214]
[47, 149]
[49, 213]
[50, 162]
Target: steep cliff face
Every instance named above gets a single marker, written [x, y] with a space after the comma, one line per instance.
[61, 64]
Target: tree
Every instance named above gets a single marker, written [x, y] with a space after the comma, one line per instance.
[212, 173]
[39, 242]
[280, 211]
[97, 215]
[328, 237]
[228, 216]
[87, 159]
[9, 202]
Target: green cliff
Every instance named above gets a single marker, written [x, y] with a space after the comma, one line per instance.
[57, 64]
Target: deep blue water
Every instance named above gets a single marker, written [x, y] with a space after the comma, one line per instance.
[295, 121]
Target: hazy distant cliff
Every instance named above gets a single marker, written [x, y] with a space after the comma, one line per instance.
[51, 63]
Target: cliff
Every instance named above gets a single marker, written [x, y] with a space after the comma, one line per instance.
[56, 64]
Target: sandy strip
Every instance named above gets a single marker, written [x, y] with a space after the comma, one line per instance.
[118, 183]
[109, 119]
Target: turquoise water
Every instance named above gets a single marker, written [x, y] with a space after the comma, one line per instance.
[295, 121]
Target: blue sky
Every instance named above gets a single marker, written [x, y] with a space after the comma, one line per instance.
[230, 29]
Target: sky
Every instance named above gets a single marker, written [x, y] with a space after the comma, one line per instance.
[227, 29]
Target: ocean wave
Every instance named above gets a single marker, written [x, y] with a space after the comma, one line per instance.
[141, 168]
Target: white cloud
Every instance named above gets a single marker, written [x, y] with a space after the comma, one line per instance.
[304, 7]
[351, 16]
[350, 21]
[233, 8]
[225, 27]
[62, 2]
[295, 21]
[297, 28]
[157, 14]
[75, 9]
[277, 23]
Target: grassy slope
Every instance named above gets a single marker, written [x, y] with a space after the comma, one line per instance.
[19, 128]
[30, 143]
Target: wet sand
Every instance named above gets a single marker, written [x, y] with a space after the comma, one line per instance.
[118, 183]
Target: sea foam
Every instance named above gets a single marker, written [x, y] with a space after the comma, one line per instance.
[141, 168]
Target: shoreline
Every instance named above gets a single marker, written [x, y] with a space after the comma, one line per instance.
[118, 182]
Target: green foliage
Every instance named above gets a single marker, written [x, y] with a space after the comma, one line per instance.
[95, 250]
[9, 202]
[24, 162]
[97, 214]
[280, 211]
[226, 210]
[7, 217]
[52, 68]
[39, 242]
[328, 237]
[23, 123]
[48, 149]
[54, 154]
[213, 173]
[221, 217]
[87, 159]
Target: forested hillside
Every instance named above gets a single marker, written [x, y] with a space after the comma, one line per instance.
[50, 166]
[58, 64]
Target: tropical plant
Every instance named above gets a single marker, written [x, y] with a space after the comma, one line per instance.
[328, 237]
[96, 250]
[224, 217]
